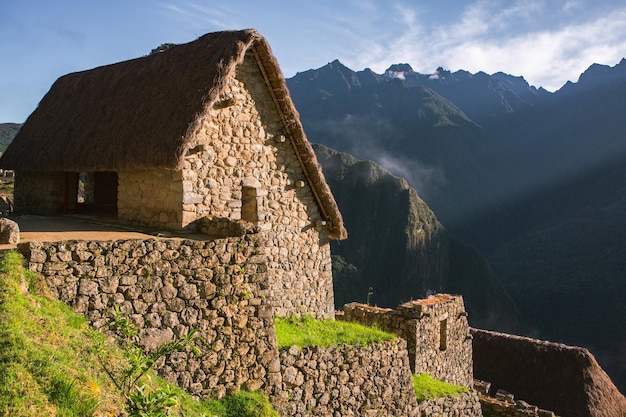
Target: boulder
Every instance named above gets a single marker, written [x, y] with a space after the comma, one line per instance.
[9, 231]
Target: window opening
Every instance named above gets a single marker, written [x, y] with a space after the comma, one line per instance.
[249, 205]
[443, 334]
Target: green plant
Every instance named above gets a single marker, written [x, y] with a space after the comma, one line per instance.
[146, 402]
[245, 293]
[68, 396]
[142, 400]
[427, 387]
[122, 326]
[307, 331]
[252, 404]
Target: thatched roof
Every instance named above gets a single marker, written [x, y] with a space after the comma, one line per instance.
[141, 114]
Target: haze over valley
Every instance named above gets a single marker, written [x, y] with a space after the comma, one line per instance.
[533, 180]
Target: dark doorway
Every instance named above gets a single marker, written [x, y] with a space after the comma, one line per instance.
[97, 193]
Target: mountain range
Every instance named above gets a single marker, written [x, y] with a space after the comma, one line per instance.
[534, 180]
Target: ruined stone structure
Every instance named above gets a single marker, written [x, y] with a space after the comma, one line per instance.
[436, 331]
[495, 407]
[220, 287]
[187, 139]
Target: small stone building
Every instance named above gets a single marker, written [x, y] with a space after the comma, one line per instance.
[436, 330]
[201, 137]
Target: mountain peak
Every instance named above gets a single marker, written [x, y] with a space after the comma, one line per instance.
[595, 70]
[400, 68]
[597, 76]
[399, 71]
[336, 64]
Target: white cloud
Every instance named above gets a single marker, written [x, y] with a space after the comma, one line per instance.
[201, 17]
[490, 38]
[546, 58]
[572, 5]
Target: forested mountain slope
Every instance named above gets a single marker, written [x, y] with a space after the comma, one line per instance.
[532, 179]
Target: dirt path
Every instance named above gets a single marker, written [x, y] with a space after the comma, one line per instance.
[53, 229]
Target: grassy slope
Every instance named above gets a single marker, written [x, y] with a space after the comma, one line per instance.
[49, 365]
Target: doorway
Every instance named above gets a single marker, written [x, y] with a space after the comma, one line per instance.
[96, 192]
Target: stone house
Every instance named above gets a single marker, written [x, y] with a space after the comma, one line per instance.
[201, 137]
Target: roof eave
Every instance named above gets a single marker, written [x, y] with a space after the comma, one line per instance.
[304, 151]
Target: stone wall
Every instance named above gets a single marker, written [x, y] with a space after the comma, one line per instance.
[151, 198]
[503, 403]
[462, 405]
[436, 331]
[372, 380]
[40, 192]
[553, 376]
[168, 287]
[245, 168]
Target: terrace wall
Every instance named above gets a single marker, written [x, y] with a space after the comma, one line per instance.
[168, 287]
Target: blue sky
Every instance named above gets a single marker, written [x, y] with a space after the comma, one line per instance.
[548, 42]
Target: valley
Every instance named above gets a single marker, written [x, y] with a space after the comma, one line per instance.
[533, 180]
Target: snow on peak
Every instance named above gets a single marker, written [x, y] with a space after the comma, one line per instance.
[395, 74]
[398, 71]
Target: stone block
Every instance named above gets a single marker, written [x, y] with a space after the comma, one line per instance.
[87, 287]
[503, 395]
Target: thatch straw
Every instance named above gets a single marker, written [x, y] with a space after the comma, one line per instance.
[142, 113]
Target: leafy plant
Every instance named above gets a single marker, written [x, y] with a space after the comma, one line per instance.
[146, 402]
[123, 327]
[142, 400]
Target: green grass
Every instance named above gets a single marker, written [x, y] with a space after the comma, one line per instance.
[243, 403]
[307, 331]
[49, 365]
[428, 387]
